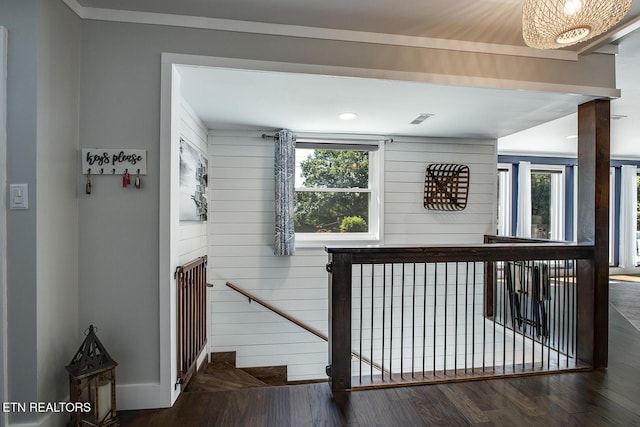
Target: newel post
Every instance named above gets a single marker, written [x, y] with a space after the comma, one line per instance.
[593, 229]
[339, 369]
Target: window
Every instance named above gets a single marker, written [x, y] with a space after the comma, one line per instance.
[637, 220]
[612, 215]
[338, 192]
[547, 203]
[504, 200]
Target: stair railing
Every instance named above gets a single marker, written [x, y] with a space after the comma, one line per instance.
[191, 328]
[304, 326]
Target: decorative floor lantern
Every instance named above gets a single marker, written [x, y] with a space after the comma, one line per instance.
[92, 384]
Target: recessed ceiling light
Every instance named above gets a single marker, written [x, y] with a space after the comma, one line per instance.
[572, 136]
[348, 116]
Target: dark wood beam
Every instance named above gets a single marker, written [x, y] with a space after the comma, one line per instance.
[593, 229]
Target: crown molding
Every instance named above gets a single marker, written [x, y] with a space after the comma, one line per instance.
[611, 37]
[135, 17]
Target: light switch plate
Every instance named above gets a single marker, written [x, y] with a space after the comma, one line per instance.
[18, 196]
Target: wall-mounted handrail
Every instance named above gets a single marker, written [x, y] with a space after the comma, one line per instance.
[291, 319]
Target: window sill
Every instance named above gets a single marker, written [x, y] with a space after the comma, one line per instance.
[322, 242]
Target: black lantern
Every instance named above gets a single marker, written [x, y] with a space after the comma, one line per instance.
[92, 384]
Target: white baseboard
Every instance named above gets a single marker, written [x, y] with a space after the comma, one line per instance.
[60, 419]
[142, 396]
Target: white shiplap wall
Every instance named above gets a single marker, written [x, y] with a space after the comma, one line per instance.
[192, 236]
[241, 207]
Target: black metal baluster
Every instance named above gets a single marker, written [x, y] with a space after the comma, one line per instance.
[466, 314]
[455, 328]
[504, 330]
[402, 325]
[361, 318]
[435, 310]
[446, 298]
[573, 317]
[424, 322]
[391, 325]
[384, 310]
[473, 322]
[495, 306]
[372, 316]
[413, 324]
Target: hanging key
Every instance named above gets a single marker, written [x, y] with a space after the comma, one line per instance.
[136, 182]
[87, 187]
[126, 178]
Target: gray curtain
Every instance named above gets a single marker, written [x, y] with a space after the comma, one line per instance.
[285, 166]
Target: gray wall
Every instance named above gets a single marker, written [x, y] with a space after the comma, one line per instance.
[56, 197]
[20, 18]
[42, 123]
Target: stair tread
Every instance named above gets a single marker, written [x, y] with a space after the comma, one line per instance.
[219, 376]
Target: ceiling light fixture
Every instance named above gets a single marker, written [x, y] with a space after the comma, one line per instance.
[551, 24]
[348, 116]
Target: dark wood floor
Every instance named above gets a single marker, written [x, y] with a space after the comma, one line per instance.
[599, 398]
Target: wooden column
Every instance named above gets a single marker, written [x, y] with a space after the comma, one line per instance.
[593, 229]
[340, 321]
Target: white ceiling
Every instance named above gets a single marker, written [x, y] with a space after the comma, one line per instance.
[233, 99]
[240, 99]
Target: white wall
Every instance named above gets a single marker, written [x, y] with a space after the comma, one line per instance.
[241, 242]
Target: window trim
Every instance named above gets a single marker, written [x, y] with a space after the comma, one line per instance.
[375, 189]
[506, 202]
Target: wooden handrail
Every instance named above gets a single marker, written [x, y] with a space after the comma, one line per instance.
[453, 253]
[299, 323]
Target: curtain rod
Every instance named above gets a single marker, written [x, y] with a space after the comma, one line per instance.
[329, 139]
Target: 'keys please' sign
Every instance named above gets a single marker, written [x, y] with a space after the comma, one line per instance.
[110, 161]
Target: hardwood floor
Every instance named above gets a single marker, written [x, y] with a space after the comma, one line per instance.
[598, 398]
[625, 297]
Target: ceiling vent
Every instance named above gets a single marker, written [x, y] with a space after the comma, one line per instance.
[617, 117]
[421, 118]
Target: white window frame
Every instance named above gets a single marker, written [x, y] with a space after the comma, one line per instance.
[376, 203]
[557, 206]
[612, 213]
[504, 199]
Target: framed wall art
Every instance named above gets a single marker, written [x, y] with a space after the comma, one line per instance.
[194, 181]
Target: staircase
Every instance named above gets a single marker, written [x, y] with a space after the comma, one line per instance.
[221, 374]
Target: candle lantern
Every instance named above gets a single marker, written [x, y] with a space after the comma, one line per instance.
[92, 384]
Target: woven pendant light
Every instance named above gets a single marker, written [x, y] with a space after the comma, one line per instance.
[551, 24]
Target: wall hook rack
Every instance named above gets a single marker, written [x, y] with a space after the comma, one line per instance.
[118, 160]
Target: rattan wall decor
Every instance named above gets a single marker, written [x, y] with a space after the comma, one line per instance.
[446, 187]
